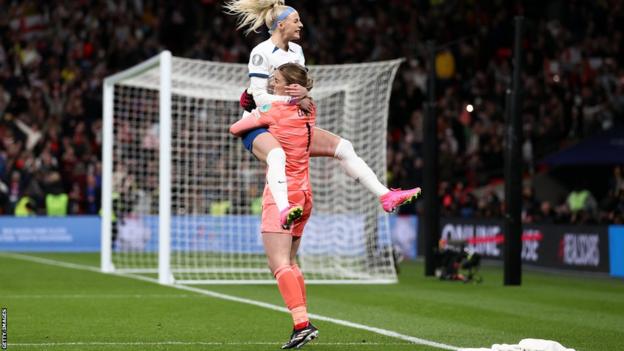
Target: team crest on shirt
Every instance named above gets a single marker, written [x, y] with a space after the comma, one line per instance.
[265, 108]
[256, 60]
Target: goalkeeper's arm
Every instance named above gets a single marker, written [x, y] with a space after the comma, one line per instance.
[253, 121]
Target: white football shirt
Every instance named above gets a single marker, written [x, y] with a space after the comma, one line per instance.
[264, 59]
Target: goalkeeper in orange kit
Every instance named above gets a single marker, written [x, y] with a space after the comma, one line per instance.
[293, 128]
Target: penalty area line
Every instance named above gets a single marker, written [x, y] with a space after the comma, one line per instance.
[380, 331]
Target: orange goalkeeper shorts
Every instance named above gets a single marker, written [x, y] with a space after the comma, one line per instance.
[271, 215]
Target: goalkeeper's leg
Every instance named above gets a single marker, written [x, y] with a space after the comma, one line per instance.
[278, 247]
[326, 144]
[295, 267]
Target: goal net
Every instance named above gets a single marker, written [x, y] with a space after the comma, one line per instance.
[182, 197]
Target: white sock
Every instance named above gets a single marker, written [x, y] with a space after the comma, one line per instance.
[357, 169]
[276, 177]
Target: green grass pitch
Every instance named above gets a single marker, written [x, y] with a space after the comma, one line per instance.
[58, 308]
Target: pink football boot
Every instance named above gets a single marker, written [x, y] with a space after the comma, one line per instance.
[397, 197]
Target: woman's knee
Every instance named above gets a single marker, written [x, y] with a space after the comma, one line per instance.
[276, 157]
[275, 264]
[344, 149]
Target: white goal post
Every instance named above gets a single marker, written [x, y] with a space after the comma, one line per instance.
[181, 197]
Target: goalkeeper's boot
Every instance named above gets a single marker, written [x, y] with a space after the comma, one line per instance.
[397, 197]
[300, 337]
[289, 215]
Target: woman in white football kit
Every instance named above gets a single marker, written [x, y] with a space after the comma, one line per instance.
[285, 26]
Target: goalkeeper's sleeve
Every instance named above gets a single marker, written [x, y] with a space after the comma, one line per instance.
[254, 120]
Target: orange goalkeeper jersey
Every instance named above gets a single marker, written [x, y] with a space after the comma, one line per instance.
[293, 129]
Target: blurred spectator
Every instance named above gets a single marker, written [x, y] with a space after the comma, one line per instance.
[581, 199]
[93, 197]
[546, 214]
[617, 180]
[56, 200]
[54, 55]
[25, 207]
[530, 206]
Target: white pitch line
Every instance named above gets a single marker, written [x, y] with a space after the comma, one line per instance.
[217, 295]
[102, 296]
[187, 343]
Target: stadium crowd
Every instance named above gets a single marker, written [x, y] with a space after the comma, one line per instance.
[54, 55]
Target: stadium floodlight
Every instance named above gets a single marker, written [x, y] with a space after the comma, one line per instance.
[180, 193]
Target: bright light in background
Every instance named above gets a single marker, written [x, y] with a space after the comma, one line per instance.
[469, 108]
[556, 78]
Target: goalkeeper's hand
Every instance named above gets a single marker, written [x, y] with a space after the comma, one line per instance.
[247, 101]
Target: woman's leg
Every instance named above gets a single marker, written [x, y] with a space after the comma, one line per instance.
[263, 144]
[267, 149]
[278, 250]
[326, 144]
[294, 247]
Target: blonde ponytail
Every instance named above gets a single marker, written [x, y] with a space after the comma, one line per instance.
[254, 13]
